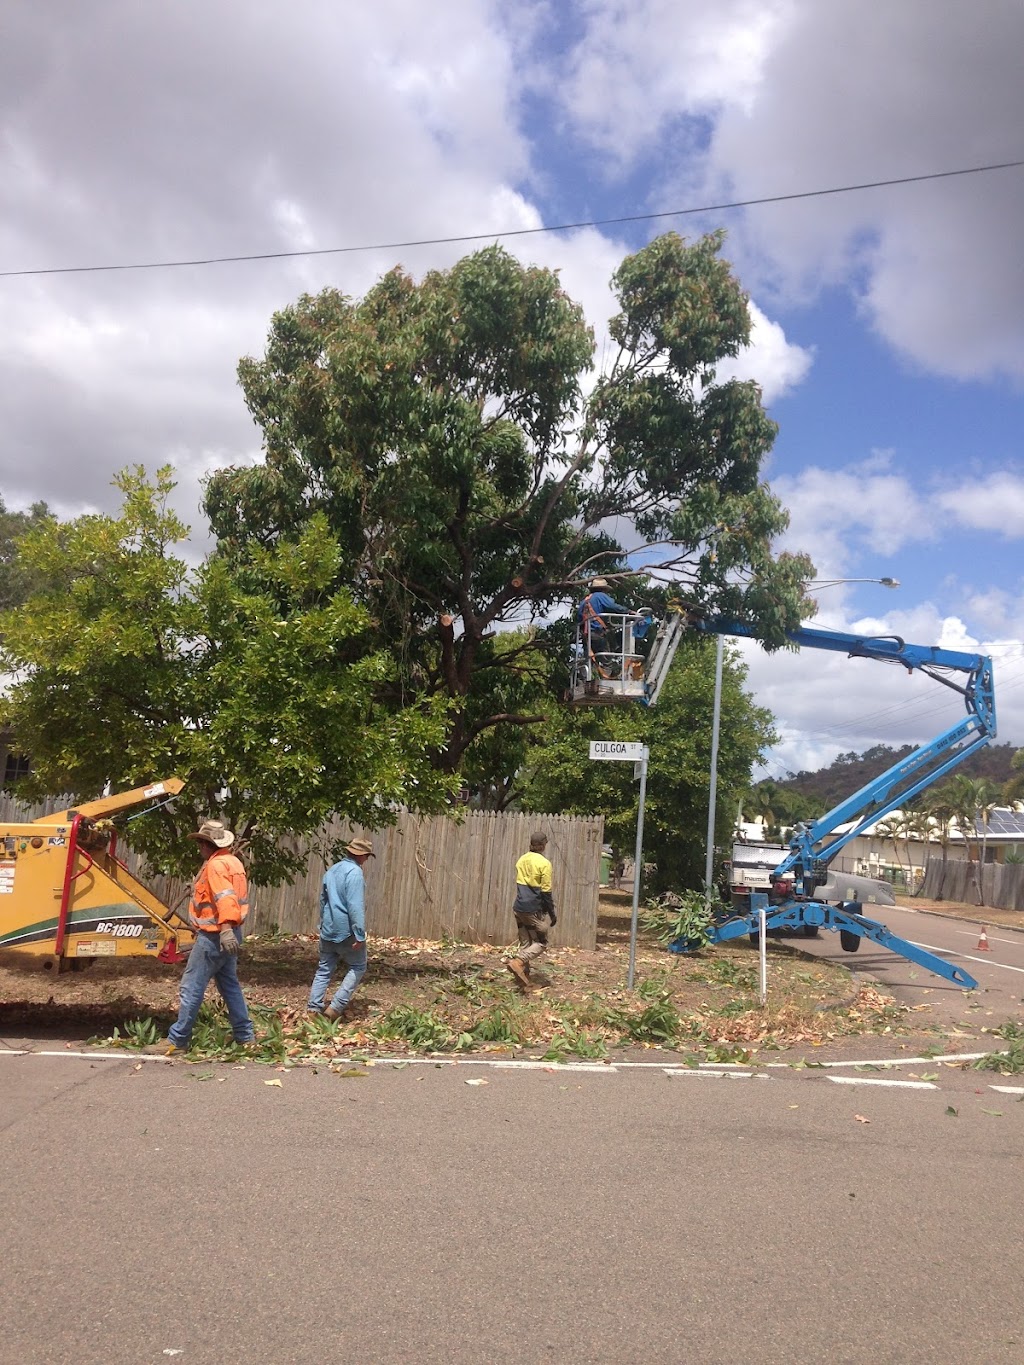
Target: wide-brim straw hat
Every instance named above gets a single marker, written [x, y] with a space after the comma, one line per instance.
[599, 583]
[214, 832]
[363, 847]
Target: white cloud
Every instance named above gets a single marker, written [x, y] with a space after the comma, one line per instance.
[777, 364]
[837, 513]
[640, 62]
[741, 101]
[994, 502]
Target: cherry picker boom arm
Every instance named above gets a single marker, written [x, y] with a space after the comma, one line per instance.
[813, 846]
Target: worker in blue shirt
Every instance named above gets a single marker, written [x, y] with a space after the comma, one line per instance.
[593, 610]
[342, 930]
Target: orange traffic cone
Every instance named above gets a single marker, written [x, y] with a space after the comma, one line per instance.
[983, 942]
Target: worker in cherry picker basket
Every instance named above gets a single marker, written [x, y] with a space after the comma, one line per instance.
[593, 613]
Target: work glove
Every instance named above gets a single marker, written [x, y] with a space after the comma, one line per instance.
[228, 940]
[554, 918]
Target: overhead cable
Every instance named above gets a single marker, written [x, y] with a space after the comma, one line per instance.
[510, 232]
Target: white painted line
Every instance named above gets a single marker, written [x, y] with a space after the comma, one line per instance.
[865, 1080]
[13, 1052]
[886, 1062]
[730, 1075]
[1008, 1089]
[968, 957]
[105, 1056]
[508, 1064]
[593, 1067]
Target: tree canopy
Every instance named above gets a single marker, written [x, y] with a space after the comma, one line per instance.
[257, 686]
[470, 479]
[15, 580]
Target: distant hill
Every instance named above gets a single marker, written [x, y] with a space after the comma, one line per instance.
[849, 772]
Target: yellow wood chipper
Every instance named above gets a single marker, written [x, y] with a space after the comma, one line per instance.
[65, 895]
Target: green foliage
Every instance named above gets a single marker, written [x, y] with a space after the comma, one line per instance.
[573, 1041]
[1010, 1061]
[559, 775]
[141, 1032]
[658, 1021]
[500, 1024]
[687, 916]
[442, 430]
[261, 687]
[17, 580]
[423, 1030]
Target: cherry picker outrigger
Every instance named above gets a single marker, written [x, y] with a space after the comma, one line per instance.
[603, 676]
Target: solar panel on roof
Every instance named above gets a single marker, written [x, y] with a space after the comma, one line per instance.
[1003, 823]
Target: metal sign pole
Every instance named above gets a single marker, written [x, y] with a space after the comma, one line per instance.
[762, 940]
[637, 867]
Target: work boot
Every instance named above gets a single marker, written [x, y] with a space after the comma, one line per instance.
[518, 969]
[165, 1048]
[331, 1013]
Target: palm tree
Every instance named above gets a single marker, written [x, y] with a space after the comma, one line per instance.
[988, 800]
[942, 811]
[974, 800]
[916, 825]
[894, 827]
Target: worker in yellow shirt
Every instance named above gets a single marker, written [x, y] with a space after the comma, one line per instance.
[534, 907]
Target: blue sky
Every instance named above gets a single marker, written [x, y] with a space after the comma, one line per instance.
[889, 324]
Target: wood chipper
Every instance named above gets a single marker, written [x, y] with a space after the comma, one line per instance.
[65, 896]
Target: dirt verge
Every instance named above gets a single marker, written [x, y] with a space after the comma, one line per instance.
[422, 996]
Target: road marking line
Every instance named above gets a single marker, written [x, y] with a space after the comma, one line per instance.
[105, 1056]
[968, 957]
[91, 1056]
[524, 1064]
[867, 1080]
[886, 1062]
[732, 1075]
[1008, 1089]
[595, 1067]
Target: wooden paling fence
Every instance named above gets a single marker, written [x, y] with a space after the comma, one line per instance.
[1002, 884]
[433, 877]
[436, 878]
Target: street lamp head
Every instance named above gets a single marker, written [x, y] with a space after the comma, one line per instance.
[835, 582]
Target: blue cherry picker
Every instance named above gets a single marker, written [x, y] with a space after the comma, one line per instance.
[614, 669]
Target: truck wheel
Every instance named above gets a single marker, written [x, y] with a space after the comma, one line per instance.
[849, 940]
[811, 930]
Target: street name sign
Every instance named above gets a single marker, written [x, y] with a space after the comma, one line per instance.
[616, 750]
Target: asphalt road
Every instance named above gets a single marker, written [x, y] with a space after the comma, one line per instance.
[998, 971]
[162, 1211]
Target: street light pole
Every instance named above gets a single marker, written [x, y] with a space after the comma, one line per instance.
[709, 862]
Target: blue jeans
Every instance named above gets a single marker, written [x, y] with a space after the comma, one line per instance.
[209, 962]
[353, 953]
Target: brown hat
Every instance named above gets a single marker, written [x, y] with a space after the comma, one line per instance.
[214, 832]
[361, 848]
[599, 583]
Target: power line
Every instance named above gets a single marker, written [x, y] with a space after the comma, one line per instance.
[511, 232]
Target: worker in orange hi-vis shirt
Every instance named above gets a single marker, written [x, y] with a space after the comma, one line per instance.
[534, 907]
[217, 910]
